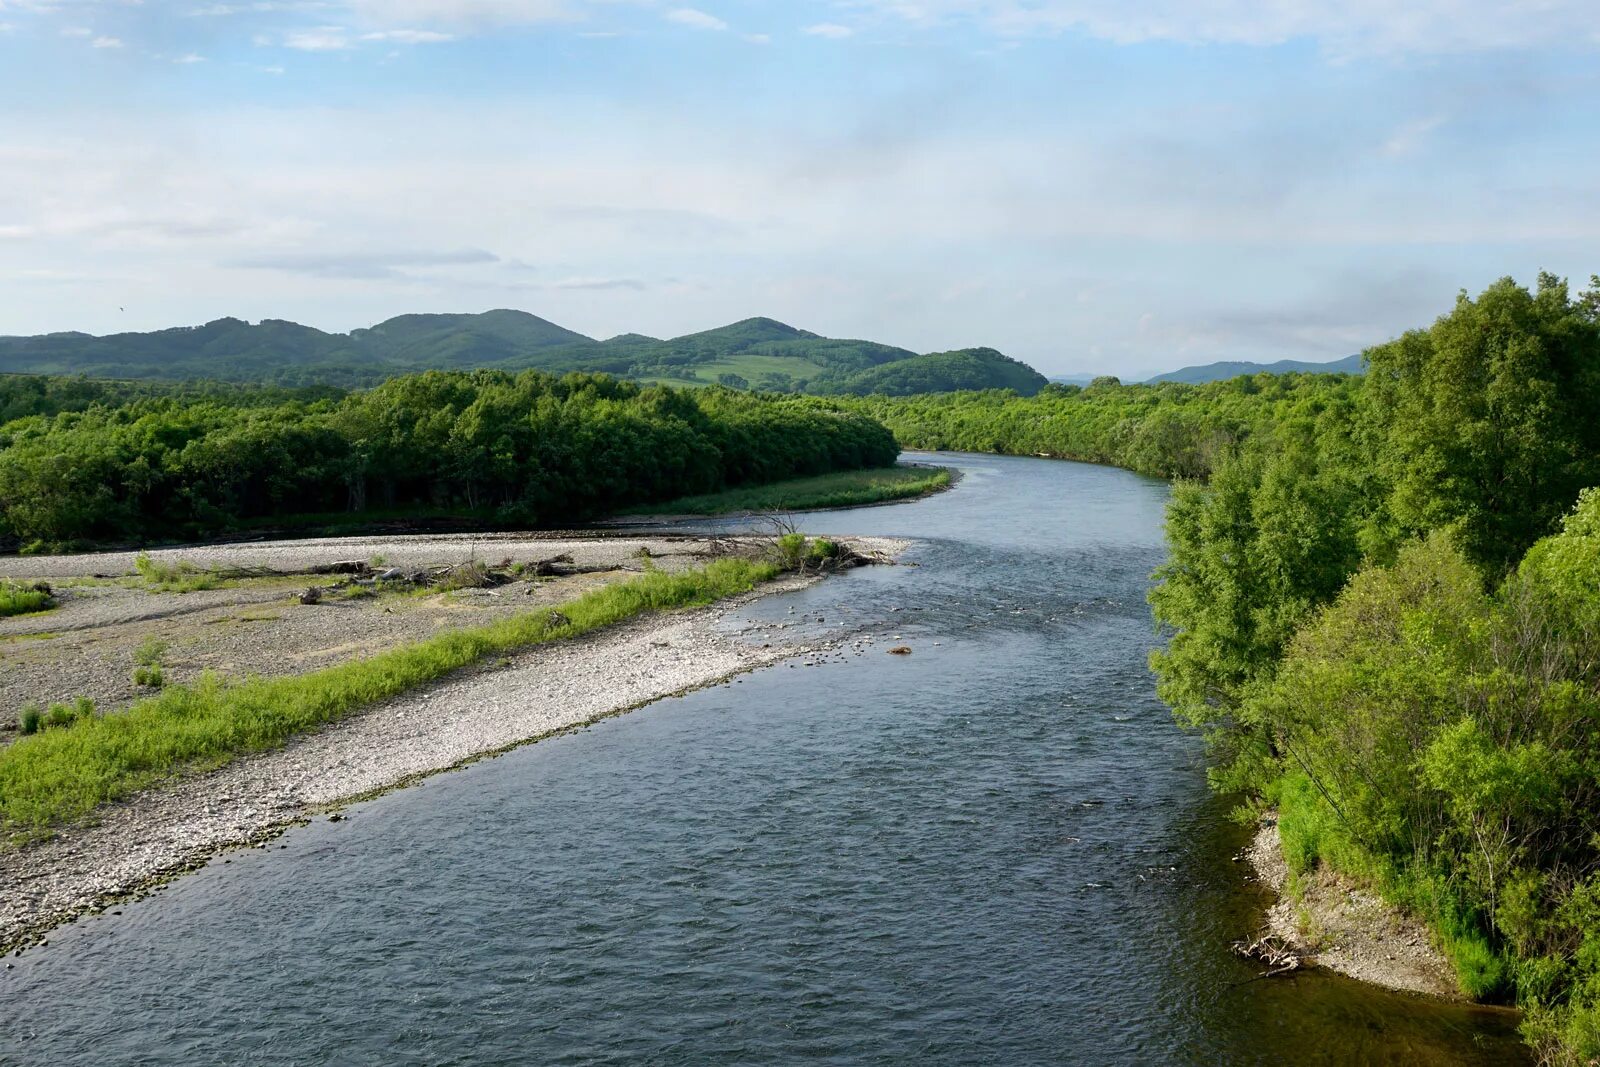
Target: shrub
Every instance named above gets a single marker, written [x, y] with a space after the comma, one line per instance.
[21, 599]
[178, 576]
[31, 719]
[150, 652]
[791, 549]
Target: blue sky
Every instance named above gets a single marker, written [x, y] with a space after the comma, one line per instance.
[1092, 186]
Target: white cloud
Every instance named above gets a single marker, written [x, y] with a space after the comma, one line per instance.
[190, 58]
[758, 38]
[362, 264]
[105, 42]
[460, 12]
[1345, 28]
[831, 30]
[76, 31]
[325, 39]
[260, 7]
[409, 36]
[688, 16]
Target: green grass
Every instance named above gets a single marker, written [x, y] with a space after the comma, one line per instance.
[23, 600]
[62, 774]
[750, 366]
[178, 576]
[841, 490]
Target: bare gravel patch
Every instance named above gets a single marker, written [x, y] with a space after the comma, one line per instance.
[408, 551]
[1348, 929]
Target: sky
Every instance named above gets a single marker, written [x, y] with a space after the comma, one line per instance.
[1093, 186]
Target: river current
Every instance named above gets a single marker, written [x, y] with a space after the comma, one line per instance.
[998, 849]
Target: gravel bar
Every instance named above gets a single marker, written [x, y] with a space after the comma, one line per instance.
[139, 844]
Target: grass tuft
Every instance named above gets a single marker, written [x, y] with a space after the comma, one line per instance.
[175, 577]
[23, 599]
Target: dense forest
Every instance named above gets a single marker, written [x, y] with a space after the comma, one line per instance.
[753, 353]
[116, 462]
[1383, 598]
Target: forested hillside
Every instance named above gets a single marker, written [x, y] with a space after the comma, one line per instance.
[119, 463]
[1216, 372]
[754, 353]
[1384, 603]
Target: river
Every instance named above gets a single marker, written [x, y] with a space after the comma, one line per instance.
[998, 849]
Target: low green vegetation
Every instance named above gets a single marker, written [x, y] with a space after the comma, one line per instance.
[147, 658]
[16, 599]
[34, 718]
[62, 772]
[524, 449]
[844, 489]
[177, 576]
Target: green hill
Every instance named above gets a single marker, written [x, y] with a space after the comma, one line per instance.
[756, 353]
[1216, 372]
[941, 372]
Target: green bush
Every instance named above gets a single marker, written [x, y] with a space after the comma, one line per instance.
[178, 576]
[150, 652]
[23, 600]
[30, 720]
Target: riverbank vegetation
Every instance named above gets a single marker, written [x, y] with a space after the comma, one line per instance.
[1165, 430]
[119, 464]
[18, 599]
[840, 490]
[1383, 598]
[61, 771]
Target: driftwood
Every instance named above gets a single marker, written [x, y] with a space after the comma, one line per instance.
[1272, 950]
[553, 567]
[344, 566]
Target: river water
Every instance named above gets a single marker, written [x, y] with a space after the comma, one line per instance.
[998, 849]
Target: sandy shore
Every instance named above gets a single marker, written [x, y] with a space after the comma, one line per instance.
[1349, 930]
[158, 834]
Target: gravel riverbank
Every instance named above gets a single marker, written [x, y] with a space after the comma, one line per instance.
[160, 833]
[1347, 929]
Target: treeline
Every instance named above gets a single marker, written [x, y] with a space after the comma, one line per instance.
[135, 464]
[1383, 595]
[1166, 430]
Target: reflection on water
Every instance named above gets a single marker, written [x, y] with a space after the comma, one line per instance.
[998, 849]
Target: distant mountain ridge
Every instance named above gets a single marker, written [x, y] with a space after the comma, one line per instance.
[752, 353]
[1214, 372]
